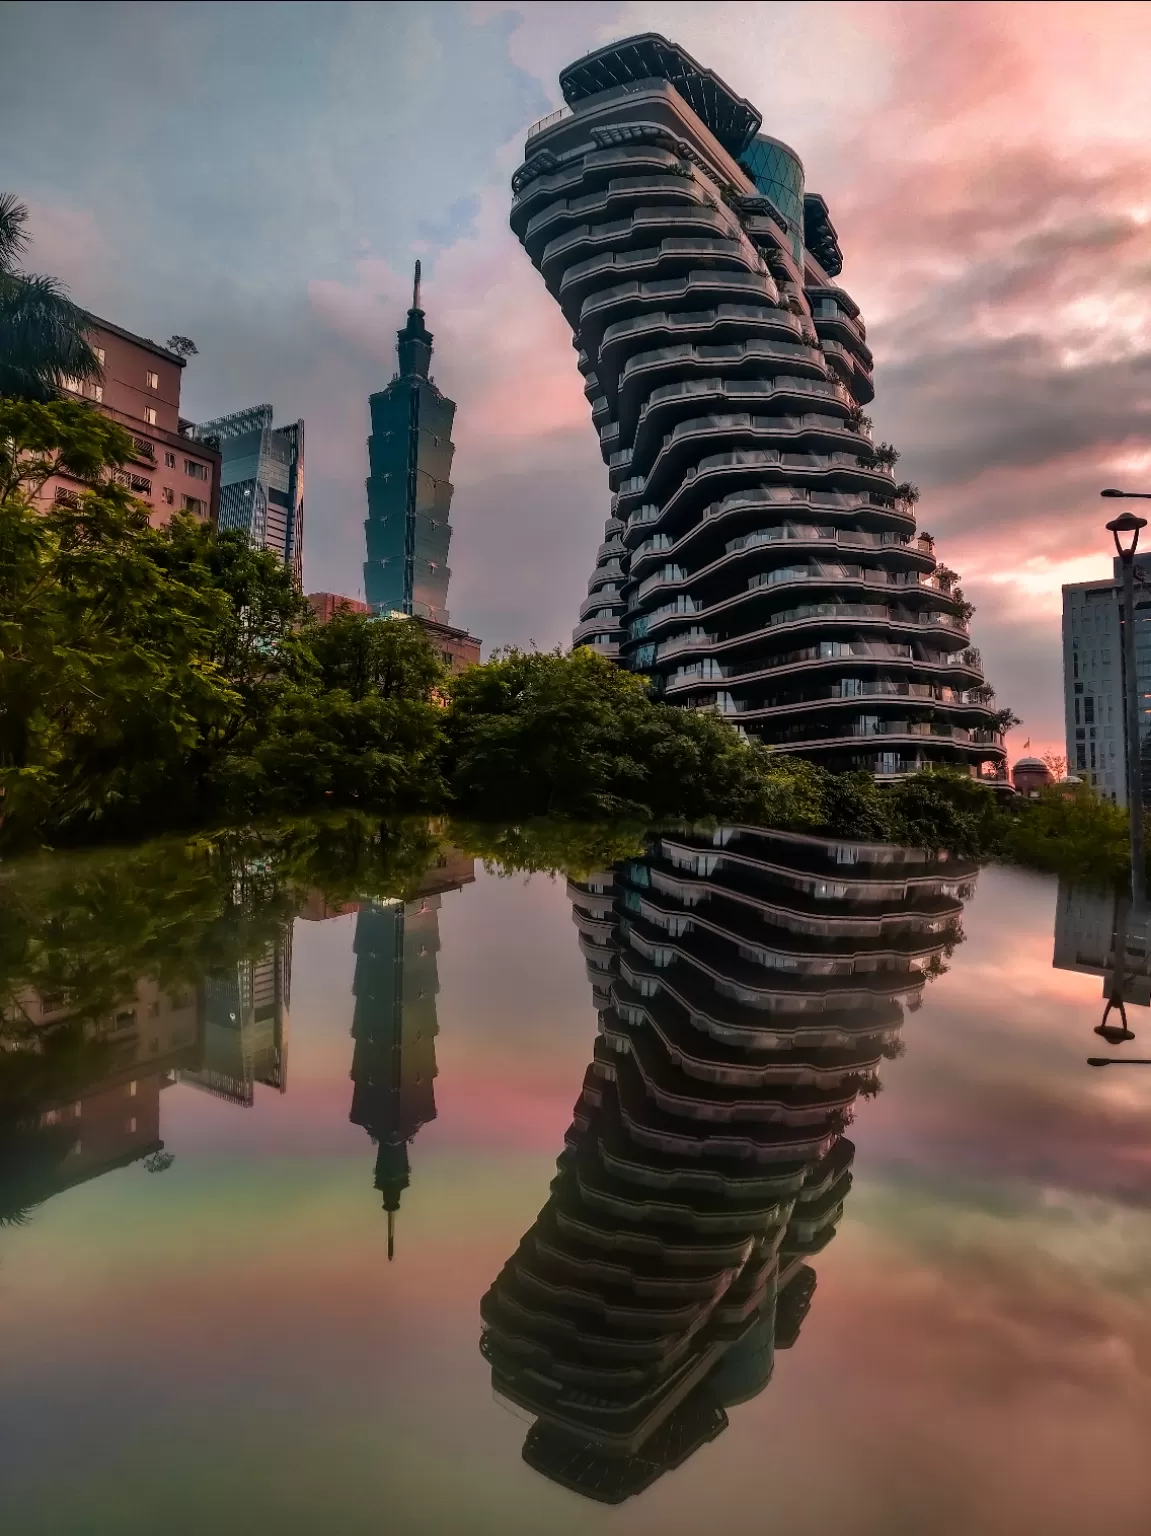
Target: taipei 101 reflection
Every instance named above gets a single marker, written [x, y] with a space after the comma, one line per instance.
[749, 983]
[394, 1025]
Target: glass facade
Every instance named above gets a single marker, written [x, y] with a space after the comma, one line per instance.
[778, 174]
[261, 480]
[409, 490]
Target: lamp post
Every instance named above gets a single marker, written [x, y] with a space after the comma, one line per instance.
[1128, 525]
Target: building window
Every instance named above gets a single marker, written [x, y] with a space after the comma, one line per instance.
[196, 471]
[150, 415]
[169, 496]
[99, 351]
[153, 380]
[97, 391]
[132, 1125]
[169, 461]
[1089, 711]
[194, 504]
[132, 1090]
[140, 485]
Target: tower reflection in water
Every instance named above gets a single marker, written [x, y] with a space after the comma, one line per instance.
[80, 1093]
[395, 1027]
[748, 983]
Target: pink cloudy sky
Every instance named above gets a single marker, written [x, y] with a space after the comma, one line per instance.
[265, 188]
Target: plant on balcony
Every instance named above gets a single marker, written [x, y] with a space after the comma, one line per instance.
[1003, 720]
[882, 456]
[963, 607]
[907, 492]
[858, 421]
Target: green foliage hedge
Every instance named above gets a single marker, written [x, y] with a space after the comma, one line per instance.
[154, 678]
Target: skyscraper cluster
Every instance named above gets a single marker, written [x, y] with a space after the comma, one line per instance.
[760, 558]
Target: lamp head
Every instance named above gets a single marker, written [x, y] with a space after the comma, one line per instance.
[1128, 525]
[1112, 493]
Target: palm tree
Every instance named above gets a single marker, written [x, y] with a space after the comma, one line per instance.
[43, 335]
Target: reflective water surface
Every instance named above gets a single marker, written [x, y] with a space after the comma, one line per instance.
[358, 1179]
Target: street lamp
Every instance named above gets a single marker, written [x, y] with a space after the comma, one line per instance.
[1128, 525]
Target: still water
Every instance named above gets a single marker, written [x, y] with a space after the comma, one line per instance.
[845, 1234]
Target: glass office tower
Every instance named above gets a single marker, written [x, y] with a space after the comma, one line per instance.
[409, 492]
[760, 559]
[261, 480]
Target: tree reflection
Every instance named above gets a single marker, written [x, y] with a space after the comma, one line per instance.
[749, 984]
[124, 971]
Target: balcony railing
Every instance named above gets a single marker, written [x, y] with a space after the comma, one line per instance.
[547, 122]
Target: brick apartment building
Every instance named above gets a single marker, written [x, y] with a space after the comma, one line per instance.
[455, 647]
[140, 390]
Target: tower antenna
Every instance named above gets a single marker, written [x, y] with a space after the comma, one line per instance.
[416, 288]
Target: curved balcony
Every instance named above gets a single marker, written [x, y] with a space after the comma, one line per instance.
[620, 301]
[672, 256]
[637, 230]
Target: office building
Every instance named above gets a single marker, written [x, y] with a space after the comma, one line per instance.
[1094, 717]
[261, 481]
[140, 390]
[761, 558]
[409, 493]
[749, 984]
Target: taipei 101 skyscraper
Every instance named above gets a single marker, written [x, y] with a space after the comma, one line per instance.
[409, 492]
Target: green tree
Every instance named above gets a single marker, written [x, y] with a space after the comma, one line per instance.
[106, 681]
[348, 716]
[944, 808]
[1072, 830]
[43, 334]
[540, 733]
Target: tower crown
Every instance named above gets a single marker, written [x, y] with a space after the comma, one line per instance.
[414, 342]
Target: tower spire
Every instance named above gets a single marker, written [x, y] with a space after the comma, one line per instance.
[414, 342]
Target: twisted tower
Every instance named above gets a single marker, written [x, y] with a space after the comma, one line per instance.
[760, 558]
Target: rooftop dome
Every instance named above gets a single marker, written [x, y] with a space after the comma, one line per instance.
[1032, 762]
